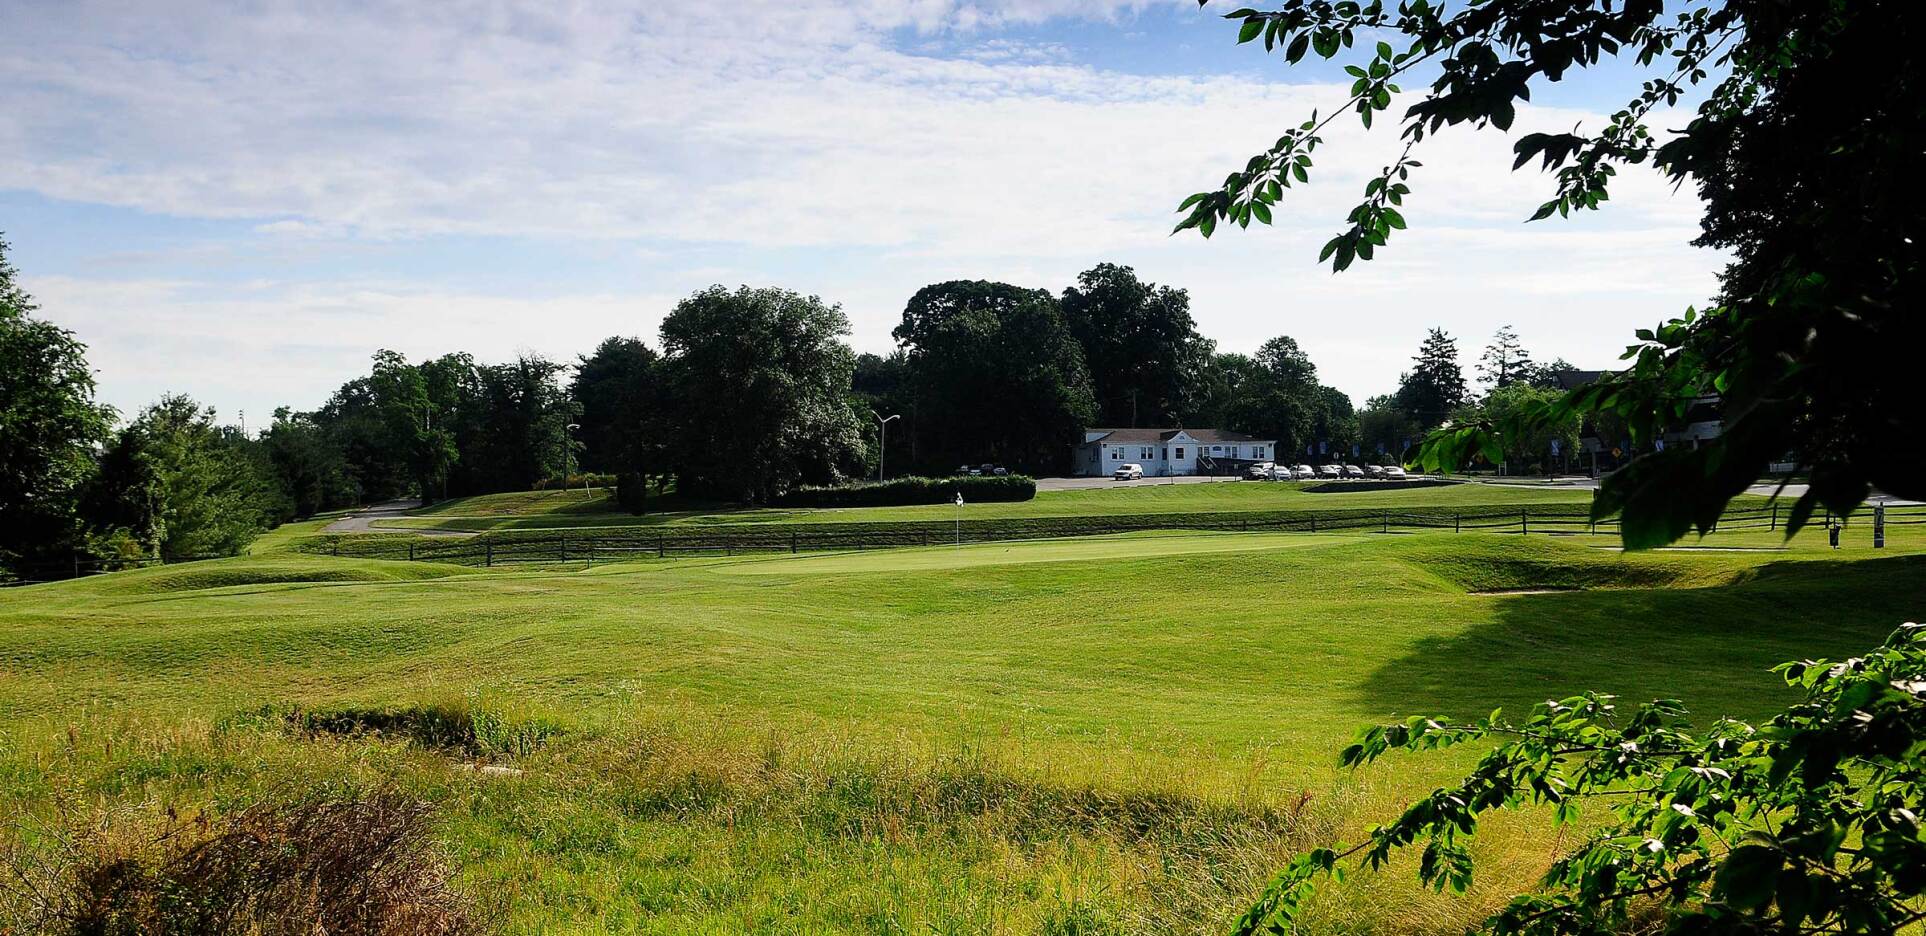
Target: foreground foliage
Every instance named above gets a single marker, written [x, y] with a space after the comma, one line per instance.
[1803, 149]
[1808, 824]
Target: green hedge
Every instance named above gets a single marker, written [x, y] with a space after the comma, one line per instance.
[899, 492]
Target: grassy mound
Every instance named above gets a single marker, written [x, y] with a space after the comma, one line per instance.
[1118, 735]
[232, 573]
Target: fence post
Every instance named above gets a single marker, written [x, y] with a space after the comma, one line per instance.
[661, 545]
[1457, 522]
[76, 563]
[336, 546]
[1247, 524]
[1385, 525]
[1775, 517]
[411, 552]
[488, 555]
[564, 548]
[1314, 523]
[792, 542]
[1524, 521]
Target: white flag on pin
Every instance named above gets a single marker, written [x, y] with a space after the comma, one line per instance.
[959, 498]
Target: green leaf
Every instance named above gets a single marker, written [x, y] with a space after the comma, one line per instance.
[1749, 876]
[1250, 30]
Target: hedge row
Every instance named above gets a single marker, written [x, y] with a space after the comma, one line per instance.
[900, 492]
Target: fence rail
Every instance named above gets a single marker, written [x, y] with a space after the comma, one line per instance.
[565, 547]
[569, 547]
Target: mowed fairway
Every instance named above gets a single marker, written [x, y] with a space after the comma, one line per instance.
[1118, 734]
[579, 509]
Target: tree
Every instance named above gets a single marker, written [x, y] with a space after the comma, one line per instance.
[1281, 400]
[1139, 343]
[760, 381]
[1435, 386]
[1803, 151]
[1384, 427]
[311, 469]
[970, 342]
[179, 486]
[1505, 361]
[49, 424]
[1530, 451]
[884, 386]
[1221, 384]
[1807, 824]
[618, 389]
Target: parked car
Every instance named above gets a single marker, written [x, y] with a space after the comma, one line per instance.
[1329, 472]
[1374, 471]
[1130, 472]
[1351, 471]
[1260, 471]
[1304, 473]
[989, 470]
[1394, 473]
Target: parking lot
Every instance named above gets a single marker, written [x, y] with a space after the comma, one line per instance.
[1078, 484]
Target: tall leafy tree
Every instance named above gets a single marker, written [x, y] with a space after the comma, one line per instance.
[311, 469]
[1384, 427]
[998, 375]
[1804, 150]
[884, 386]
[1505, 361]
[179, 485]
[619, 391]
[760, 381]
[1139, 343]
[1221, 383]
[1435, 385]
[49, 424]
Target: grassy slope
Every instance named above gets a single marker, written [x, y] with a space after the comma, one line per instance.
[470, 514]
[1219, 669]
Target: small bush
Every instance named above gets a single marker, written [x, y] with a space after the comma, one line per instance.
[341, 864]
[898, 492]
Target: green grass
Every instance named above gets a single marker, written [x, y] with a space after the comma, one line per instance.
[1101, 734]
[478, 514]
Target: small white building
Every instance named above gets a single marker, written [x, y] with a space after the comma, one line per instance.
[1167, 452]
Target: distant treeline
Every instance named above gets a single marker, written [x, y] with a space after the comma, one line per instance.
[749, 396]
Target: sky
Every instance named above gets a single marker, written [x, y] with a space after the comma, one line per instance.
[243, 201]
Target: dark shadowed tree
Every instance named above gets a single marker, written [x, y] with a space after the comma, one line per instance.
[998, 375]
[1281, 399]
[1221, 382]
[883, 386]
[49, 424]
[760, 382]
[619, 392]
[1435, 385]
[1385, 429]
[311, 469]
[1139, 343]
[1804, 149]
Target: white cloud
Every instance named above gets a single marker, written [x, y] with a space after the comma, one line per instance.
[751, 128]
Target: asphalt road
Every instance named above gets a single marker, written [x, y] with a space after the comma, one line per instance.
[362, 521]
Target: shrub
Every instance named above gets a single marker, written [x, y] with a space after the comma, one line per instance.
[1808, 824]
[336, 863]
[898, 492]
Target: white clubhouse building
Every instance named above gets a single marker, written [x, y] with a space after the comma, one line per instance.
[1166, 452]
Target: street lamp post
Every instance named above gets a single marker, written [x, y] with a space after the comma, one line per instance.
[882, 445]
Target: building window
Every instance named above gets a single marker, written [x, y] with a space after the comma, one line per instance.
[1166, 454]
[1216, 449]
[1180, 454]
[1257, 452]
[1116, 454]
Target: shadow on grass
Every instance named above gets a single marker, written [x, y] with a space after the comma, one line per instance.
[1712, 647]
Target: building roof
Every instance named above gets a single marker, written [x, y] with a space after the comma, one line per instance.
[1146, 436]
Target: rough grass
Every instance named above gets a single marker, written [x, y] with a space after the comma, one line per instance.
[1111, 734]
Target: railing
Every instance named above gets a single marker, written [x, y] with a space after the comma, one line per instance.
[554, 547]
[571, 547]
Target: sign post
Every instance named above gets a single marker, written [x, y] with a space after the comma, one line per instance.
[1879, 526]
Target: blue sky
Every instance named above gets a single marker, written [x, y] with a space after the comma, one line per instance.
[243, 203]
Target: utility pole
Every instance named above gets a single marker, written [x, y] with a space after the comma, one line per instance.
[568, 458]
